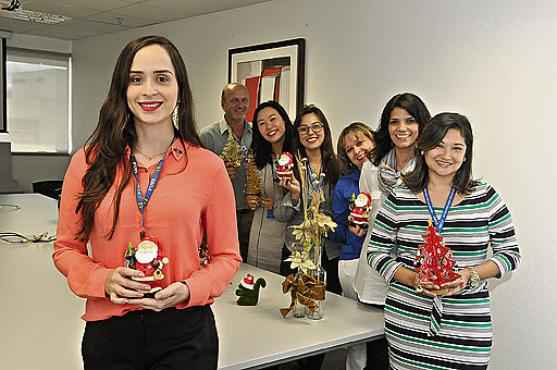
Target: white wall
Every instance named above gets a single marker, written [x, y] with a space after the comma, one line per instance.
[492, 61]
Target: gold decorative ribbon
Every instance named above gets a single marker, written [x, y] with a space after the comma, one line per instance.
[304, 289]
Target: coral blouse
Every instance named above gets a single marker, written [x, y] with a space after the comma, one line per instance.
[192, 198]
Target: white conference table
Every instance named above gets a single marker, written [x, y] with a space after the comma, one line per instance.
[41, 328]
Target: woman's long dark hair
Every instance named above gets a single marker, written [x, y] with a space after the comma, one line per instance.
[410, 103]
[262, 149]
[345, 164]
[328, 157]
[106, 147]
[432, 135]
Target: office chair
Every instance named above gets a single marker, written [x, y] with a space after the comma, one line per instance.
[50, 188]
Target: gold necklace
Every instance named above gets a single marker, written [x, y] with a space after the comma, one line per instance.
[150, 157]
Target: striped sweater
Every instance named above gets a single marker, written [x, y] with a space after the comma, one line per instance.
[480, 222]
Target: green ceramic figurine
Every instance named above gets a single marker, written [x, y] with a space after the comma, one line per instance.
[248, 290]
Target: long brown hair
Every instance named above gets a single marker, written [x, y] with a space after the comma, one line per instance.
[410, 103]
[106, 147]
[328, 157]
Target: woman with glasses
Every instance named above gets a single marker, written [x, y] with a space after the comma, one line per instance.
[355, 145]
[315, 146]
[273, 135]
[315, 150]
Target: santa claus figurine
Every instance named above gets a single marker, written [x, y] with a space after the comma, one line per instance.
[284, 165]
[147, 257]
[360, 208]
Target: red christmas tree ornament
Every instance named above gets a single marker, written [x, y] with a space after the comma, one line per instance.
[435, 262]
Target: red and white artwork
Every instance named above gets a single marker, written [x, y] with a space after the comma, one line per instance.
[266, 80]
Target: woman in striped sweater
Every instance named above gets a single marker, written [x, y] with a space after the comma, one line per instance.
[448, 326]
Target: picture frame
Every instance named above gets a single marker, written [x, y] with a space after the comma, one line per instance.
[272, 71]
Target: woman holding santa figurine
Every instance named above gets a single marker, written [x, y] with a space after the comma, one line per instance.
[273, 149]
[143, 193]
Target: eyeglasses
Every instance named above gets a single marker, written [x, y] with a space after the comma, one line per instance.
[315, 127]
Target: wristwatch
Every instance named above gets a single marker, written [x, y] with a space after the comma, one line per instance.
[474, 281]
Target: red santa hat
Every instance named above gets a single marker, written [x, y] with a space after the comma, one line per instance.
[248, 282]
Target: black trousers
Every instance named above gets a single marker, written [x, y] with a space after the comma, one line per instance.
[244, 218]
[377, 355]
[148, 340]
[331, 266]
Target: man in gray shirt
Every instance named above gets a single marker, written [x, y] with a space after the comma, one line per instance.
[234, 103]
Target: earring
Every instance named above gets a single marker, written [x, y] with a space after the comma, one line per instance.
[421, 152]
[464, 160]
[175, 117]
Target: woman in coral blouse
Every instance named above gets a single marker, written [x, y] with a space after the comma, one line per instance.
[144, 194]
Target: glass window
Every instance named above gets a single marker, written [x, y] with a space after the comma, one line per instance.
[38, 101]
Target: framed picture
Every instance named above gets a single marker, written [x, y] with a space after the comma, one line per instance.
[273, 71]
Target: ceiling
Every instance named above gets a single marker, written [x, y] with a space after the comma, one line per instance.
[97, 17]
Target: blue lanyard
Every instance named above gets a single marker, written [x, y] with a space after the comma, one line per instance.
[141, 200]
[439, 223]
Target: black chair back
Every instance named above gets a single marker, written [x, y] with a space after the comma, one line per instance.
[50, 188]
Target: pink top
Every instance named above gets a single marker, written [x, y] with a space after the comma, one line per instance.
[193, 197]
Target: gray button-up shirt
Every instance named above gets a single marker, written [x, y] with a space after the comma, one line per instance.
[214, 138]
